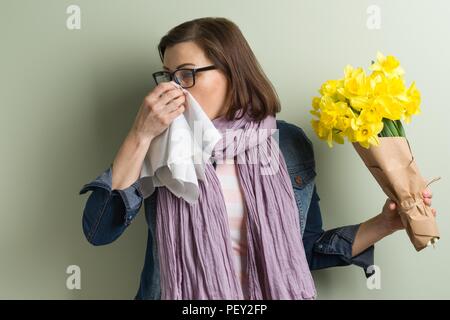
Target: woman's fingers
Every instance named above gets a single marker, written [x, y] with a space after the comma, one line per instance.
[177, 112]
[427, 193]
[174, 104]
[170, 96]
[427, 200]
[392, 205]
[162, 88]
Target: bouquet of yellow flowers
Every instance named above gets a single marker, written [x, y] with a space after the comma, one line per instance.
[368, 110]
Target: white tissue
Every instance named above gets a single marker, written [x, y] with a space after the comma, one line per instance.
[176, 158]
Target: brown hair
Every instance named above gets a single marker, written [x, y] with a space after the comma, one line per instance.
[224, 44]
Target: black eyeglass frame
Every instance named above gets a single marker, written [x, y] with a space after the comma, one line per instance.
[193, 70]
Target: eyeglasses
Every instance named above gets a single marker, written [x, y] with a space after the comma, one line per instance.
[185, 77]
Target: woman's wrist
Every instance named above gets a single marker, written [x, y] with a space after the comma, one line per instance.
[139, 138]
[128, 162]
[370, 232]
[386, 226]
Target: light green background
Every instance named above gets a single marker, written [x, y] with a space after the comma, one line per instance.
[68, 99]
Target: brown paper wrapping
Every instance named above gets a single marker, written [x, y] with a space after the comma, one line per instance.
[393, 166]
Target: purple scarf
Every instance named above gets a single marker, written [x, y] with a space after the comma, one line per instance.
[194, 245]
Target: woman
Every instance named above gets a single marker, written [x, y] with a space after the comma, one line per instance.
[247, 237]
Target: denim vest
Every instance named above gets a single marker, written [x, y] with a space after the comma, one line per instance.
[109, 212]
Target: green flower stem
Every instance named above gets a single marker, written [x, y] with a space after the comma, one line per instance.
[394, 124]
[385, 132]
[389, 129]
[393, 128]
[401, 128]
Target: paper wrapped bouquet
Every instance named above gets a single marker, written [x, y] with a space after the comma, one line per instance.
[368, 110]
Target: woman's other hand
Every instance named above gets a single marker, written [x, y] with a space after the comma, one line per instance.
[390, 213]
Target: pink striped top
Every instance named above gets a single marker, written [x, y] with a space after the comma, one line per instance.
[236, 210]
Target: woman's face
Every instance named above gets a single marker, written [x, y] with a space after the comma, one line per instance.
[210, 87]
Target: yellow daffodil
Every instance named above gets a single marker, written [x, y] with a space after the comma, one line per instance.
[329, 88]
[367, 133]
[322, 132]
[355, 83]
[388, 107]
[345, 115]
[412, 106]
[389, 65]
[363, 107]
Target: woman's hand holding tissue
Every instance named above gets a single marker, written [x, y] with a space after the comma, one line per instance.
[159, 108]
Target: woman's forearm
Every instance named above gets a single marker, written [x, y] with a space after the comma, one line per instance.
[129, 159]
[370, 232]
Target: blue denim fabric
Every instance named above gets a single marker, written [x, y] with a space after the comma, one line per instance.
[108, 213]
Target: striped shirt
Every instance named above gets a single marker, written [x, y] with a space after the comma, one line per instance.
[236, 210]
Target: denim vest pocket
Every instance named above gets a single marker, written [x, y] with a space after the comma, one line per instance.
[302, 179]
